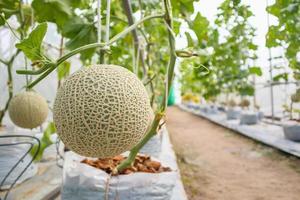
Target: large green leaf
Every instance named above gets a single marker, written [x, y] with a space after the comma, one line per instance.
[183, 7]
[8, 8]
[32, 45]
[200, 26]
[80, 33]
[57, 11]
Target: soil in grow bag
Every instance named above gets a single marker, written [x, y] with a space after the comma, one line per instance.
[142, 163]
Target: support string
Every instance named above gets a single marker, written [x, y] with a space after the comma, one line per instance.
[107, 23]
[99, 26]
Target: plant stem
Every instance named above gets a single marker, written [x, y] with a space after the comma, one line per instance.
[9, 65]
[44, 75]
[9, 27]
[134, 151]
[34, 72]
[10, 91]
[158, 116]
[3, 61]
[61, 46]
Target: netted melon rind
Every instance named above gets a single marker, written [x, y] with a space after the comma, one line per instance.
[28, 109]
[102, 111]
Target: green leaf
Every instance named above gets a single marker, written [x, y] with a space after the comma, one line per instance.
[255, 70]
[274, 36]
[282, 76]
[246, 90]
[32, 46]
[184, 7]
[286, 32]
[82, 4]
[176, 27]
[8, 5]
[191, 42]
[8, 8]
[80, 33]
[63, 70]
[44, 142]
[57, 11]
[2, 21]
[200, 26]
[252, 46]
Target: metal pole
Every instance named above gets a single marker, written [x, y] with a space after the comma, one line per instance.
[270, 69]
[254, 95]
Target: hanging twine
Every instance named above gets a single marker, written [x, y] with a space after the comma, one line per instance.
[107, 25]
[99, 21]
[107, 21]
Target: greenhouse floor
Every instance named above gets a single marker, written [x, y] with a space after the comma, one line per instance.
[217, 163]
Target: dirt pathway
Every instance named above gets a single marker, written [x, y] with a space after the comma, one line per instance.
[219, 164]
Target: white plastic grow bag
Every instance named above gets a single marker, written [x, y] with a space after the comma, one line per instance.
[291, 130]
[212, 109]
[233, 113]
[248, 118]
[84, 182]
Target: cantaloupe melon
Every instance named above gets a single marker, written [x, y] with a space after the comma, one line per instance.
[102, 111]
[28, 109]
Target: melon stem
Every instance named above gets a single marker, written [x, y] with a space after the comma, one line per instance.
[135, 150]
[9, 66]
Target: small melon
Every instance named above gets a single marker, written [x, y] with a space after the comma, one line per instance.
[102, 111]
[28, 109]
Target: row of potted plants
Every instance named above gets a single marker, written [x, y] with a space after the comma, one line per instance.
[241, 112]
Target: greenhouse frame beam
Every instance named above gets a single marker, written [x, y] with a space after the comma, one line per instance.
[270, 69]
